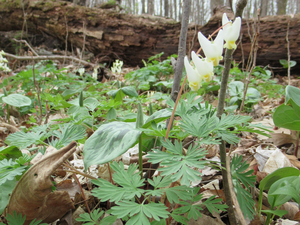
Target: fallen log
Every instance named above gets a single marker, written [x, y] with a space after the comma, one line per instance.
[109, 34]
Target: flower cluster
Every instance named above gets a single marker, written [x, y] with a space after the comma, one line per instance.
[117, 67]
[213, 50]
[3, 62]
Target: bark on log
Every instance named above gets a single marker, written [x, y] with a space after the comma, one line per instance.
[131, 38]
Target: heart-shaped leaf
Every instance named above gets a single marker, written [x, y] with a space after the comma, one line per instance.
[108, 142]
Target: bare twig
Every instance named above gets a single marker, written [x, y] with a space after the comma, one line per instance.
[254, 48]
[67, 34]
[57, 57]
[288, 51]
[26, 43]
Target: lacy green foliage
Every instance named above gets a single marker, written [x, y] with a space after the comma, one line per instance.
[9, 170]
[94, 218]
[124, 196]
[186, 107]
[239, 178]
[128, 188]
[194, 206]
[17, 219]
[66, 134]
[23, 140]
[178, 165]
[140, 213]
[209, 127]
[128, 180]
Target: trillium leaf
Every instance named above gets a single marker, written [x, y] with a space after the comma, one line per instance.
[285, 116]
[108, 142]
[157, 117]
[130, 91]
[292, 93]
[17, 100]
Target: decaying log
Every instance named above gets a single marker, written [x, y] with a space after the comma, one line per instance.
[131, 38]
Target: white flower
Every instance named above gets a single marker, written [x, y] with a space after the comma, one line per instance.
[204, 67]
[192, 75]
[231, 31]
[81, 71]
[117, 66]
[212, 49]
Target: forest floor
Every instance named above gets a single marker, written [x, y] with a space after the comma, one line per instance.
[56, 105]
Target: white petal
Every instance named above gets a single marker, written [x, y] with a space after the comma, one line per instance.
[219, 41]
[236, 27]
[205, 45]
[224, 19]
[191, 73]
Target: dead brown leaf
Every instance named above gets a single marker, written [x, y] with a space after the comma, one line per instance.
[33, 196]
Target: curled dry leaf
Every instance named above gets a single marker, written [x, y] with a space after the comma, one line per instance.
[33, 196]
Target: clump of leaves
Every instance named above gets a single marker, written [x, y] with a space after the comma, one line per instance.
[153, 72]
[134, 204]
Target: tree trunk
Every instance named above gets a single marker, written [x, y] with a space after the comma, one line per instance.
[281, 7]
[143, 6]
[131, 38]
[166, 8]
[264, 8]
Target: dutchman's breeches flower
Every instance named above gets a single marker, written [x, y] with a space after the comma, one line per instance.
[231, 31]
[204, 67]
[213, 50]
[192, 75]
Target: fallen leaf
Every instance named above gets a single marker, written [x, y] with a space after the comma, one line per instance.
[33, 196]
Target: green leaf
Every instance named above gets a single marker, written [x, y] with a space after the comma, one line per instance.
[175, 194]
[130, 91]
[15, 219]
[108, 142]
[292, 93]
[239, 176]
[140, 116]
[283, 190]
[212, 204]
[90, 219]
[9, 170]
[276, 212]
[266, 183]
[127, 179]
[177, 165]
[66, 134]
[157, 117]
[5, 191]
[23, 140]
[140, 213]
[17, 100]
[10, 152]
[285, 116]
[111, 114]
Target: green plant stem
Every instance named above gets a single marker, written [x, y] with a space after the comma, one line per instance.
[141, 156]
[220, 110]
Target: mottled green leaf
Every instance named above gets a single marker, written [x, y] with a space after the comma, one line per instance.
[108, 142]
